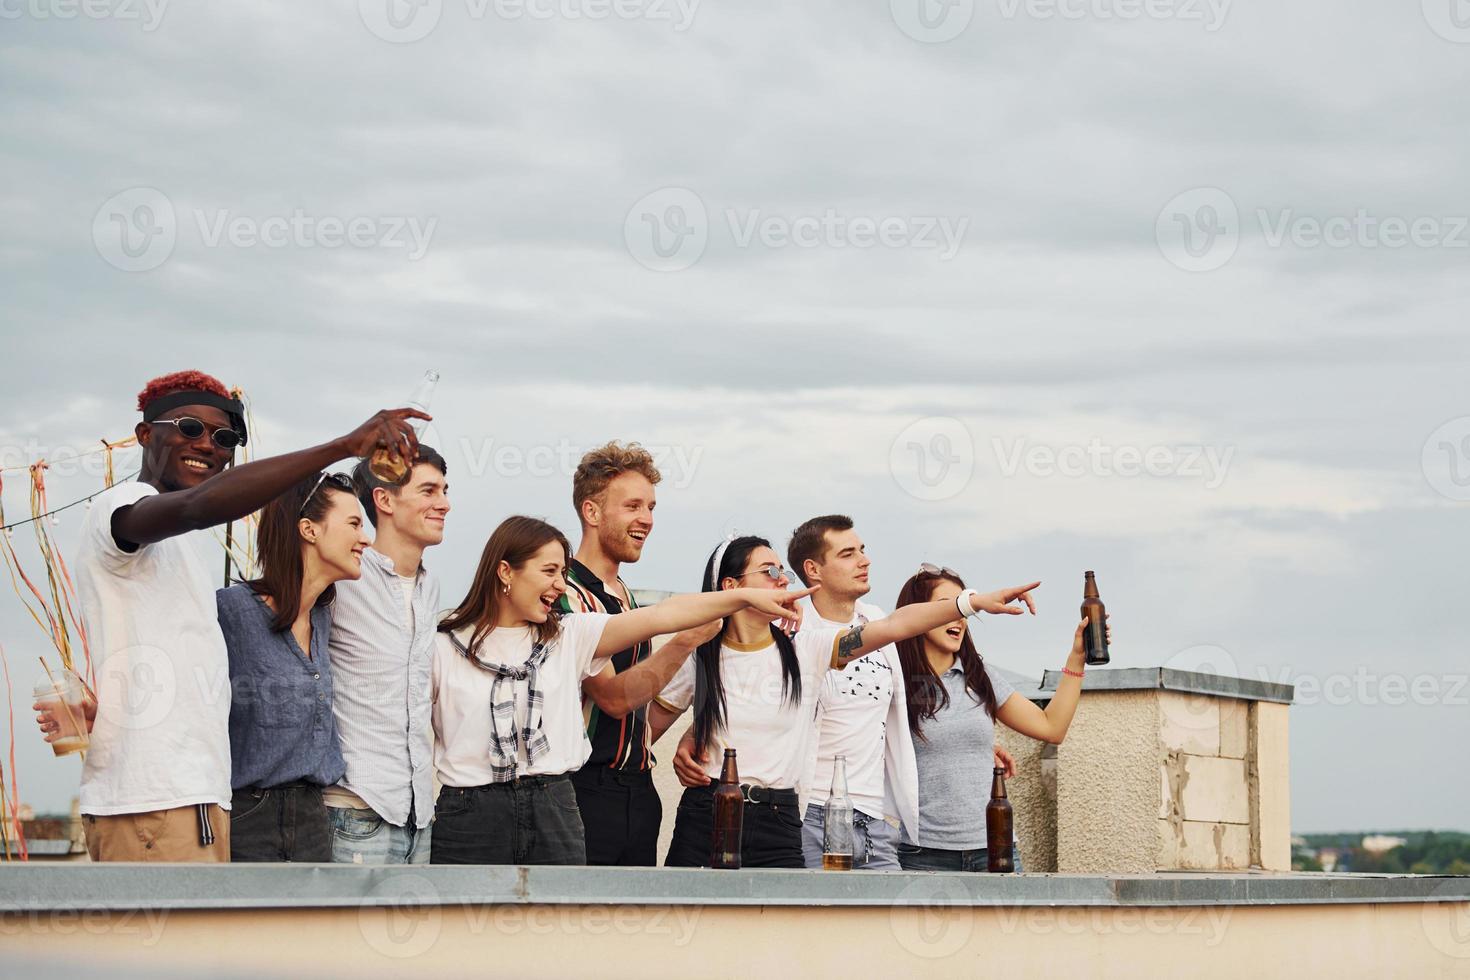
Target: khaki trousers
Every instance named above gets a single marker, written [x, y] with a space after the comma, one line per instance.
[158, 835]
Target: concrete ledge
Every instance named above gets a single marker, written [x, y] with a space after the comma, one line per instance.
[1168, 679]
[28, 888]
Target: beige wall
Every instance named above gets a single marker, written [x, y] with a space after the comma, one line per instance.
[1419, 941]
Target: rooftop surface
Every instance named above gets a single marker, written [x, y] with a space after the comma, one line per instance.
[48, 887]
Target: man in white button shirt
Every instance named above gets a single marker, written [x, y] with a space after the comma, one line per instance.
[862, 711]
[382, 646]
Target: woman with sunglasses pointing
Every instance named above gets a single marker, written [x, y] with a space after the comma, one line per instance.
[156, 782]
[753, 688]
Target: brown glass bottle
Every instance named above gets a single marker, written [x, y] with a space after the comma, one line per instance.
[999, 836]
[729, 814]
[1095, 634]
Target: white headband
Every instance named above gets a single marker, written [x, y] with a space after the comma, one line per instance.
[714, 569]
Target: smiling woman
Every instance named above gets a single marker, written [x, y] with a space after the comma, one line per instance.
[507, 796]
[283, 737]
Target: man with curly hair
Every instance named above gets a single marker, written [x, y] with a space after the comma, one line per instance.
[613, 493]
[156, 781]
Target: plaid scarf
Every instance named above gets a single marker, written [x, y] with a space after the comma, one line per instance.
[504, 747]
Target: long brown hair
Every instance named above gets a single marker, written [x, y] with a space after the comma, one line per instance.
[278, 542]
[926, 692]
[514, 542]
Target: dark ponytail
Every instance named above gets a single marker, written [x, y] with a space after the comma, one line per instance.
[709, 685]
[926, 692]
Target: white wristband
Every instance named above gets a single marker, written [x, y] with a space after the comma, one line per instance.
[962, 603]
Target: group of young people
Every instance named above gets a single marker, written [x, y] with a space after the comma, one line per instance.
[311, 713]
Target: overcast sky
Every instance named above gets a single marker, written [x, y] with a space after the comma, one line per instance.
[1174, 291]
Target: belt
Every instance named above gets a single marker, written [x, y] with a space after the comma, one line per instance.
[293, 784]
[622, 777]
[763, 794]
[510, 784]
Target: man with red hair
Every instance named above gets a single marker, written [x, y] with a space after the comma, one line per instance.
[156, 781]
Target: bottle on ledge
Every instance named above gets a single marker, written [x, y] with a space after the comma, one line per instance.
[729, 814]
[1095, 636]
[385, 463]
[837, 832]
[999, 835]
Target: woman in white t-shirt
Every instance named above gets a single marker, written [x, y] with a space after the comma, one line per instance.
[753, 689]
[507, 686]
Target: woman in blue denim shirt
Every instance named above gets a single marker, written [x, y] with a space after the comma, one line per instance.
[283, 739]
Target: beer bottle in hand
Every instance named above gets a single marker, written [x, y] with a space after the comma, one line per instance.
[837, 825]
[1095, 636]
[999, 836]
[385, 463]
[729, 814]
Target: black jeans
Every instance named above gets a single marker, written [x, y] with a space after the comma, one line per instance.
[280, 823]
[533, 820]
[770, 835]
[621, 813]
[912, 857]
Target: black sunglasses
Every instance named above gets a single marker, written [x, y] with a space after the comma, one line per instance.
[191, 429]
[927, 569]
[339, 480]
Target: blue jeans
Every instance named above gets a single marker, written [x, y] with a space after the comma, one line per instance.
[874, 841]
[363, 837]
[916, 858]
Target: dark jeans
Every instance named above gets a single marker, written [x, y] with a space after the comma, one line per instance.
[770, 835]
[621, 813]
[911, 857]
[533, 820]
[280, 823]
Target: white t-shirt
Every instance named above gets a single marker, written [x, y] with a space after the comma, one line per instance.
[772, 738]
[461, 693]
[162, 738]
[853, 706]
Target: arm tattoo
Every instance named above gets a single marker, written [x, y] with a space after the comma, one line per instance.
[848, 645]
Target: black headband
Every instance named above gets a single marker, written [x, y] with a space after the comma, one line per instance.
[230, 406]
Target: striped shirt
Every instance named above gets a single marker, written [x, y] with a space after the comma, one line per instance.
[617, 743]
[381, 661]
